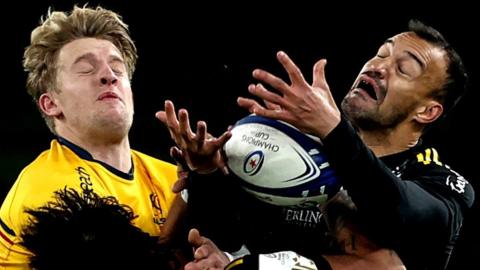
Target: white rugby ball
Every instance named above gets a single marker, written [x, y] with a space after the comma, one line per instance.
[279, 164]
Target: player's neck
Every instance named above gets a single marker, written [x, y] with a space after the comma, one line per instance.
[354, 243]
[383, 258]
[357, 245]
[114, 152]
[387, 142]
[116, 155]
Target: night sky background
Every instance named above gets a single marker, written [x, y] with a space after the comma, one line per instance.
[201, 56]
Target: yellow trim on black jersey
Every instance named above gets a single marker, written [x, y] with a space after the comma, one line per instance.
[430, 155]
[234, 263]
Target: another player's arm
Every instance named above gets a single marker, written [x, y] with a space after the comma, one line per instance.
[375, 189]
[175, 216]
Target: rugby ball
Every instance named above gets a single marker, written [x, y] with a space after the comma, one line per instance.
[279, 164]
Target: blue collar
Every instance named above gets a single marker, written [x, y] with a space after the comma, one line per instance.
[84, 154]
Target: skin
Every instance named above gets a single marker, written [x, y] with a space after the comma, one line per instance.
[202, 150]
[93, 104]
[92, 107]
[358, 251]
[206, 254]
[405, 69]
[404, 72]
[369, 259]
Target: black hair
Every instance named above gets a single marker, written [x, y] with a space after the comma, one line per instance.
[456, 81]
[86, 231]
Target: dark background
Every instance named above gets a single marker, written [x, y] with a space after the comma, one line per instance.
[201, 57]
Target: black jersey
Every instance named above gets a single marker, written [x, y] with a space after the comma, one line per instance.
[231, 217]
[410, 202]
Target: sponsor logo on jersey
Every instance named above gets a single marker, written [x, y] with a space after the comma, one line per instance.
[85, 181]
[158, 217]
[456, 182]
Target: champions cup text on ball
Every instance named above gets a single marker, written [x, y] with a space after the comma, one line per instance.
[279, 164]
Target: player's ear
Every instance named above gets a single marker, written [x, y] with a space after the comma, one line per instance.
[428, 112]
[48, 104]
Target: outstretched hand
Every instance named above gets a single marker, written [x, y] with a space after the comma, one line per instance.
[206, 254]
[310, 108]
[200, 151]
[182, 170]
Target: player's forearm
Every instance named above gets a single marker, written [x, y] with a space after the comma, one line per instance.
[370, 183]
[175, 217]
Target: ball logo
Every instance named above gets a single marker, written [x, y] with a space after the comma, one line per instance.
[253, 162]
[279, 164]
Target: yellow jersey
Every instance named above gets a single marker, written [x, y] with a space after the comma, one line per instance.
[146, 188]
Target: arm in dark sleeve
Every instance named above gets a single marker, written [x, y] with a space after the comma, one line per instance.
[213, 209]
[382, 196]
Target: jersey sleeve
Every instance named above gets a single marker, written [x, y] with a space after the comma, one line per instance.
[213, 208]
[426, 195]
[12, 254]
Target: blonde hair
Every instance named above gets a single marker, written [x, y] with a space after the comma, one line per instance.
[60, 28]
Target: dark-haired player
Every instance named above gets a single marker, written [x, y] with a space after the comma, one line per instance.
[411, 201]
[78, 230]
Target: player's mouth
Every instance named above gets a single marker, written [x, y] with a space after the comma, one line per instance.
[371, 88]
[108, 95]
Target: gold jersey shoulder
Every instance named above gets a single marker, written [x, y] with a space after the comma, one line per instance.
[148, 191]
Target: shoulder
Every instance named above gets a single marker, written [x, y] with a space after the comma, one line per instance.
[34, 186]
[427, 166]
[55, 162]
[153, 167]
[51, 170]
[152, 161]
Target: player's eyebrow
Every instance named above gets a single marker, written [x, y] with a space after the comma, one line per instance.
[409, 53]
